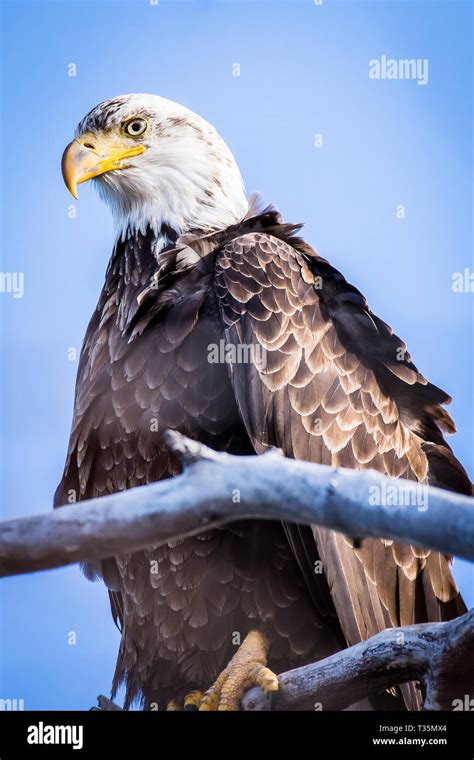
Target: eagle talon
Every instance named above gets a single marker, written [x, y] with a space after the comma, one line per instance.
[246, 669]
[192, 701]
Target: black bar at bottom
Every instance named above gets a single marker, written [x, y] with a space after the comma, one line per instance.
[118, 734]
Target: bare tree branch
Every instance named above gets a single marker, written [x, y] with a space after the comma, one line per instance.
[438, 655]
[217, 488]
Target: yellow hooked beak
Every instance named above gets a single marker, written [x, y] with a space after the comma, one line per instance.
[89, 155]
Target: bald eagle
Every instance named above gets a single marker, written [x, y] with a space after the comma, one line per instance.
[325, 380]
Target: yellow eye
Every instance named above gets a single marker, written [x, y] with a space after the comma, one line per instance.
[135, 127]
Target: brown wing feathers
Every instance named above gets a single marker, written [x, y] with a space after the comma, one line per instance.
[338, 387]
[329, 382]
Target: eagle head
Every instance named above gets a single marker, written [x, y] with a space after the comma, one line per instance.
[158, 165]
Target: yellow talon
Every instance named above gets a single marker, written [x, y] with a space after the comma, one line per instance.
[247, 668]
[192, 700]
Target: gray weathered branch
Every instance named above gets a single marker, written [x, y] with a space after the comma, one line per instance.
[437, 655]
[217, 488]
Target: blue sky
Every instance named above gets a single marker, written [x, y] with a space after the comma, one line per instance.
[303, 72]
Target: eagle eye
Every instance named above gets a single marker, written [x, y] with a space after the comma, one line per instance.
[135, 127]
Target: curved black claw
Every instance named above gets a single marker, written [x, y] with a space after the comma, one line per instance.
[273, 699]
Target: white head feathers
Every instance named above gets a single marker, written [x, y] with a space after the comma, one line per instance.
[186, 179]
